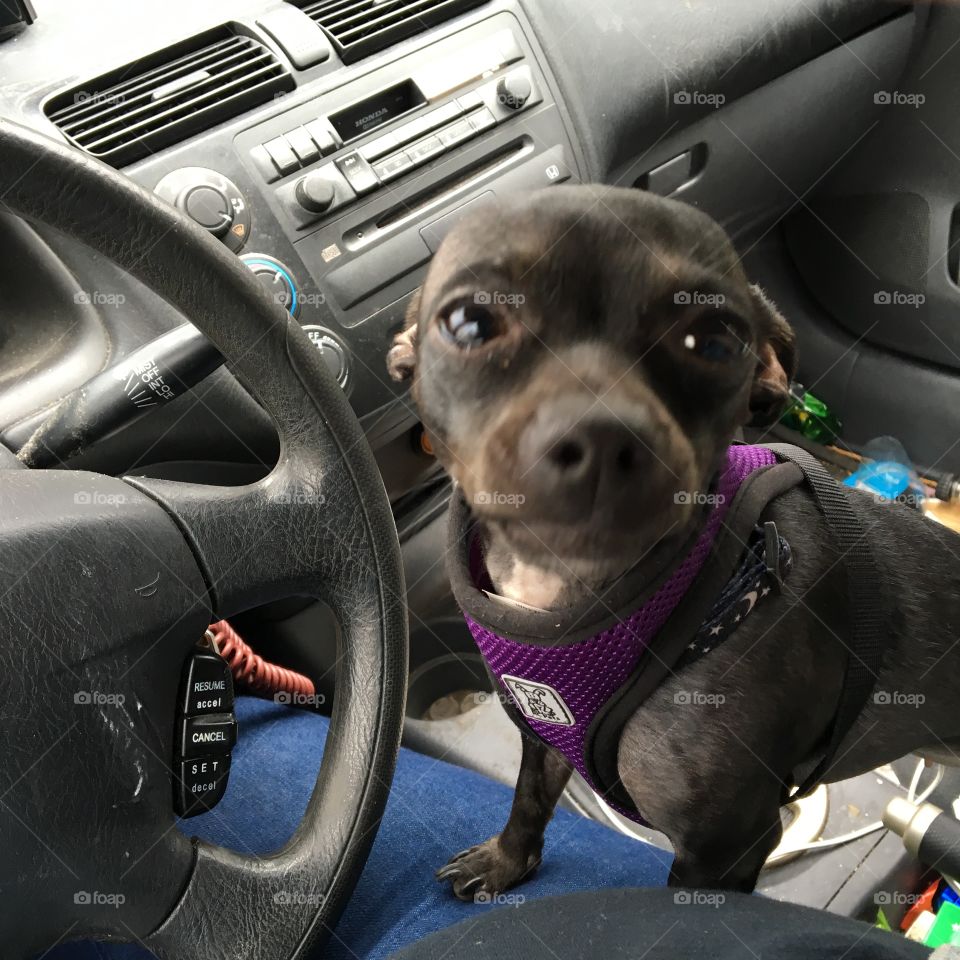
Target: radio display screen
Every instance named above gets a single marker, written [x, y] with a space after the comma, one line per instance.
[377, 110]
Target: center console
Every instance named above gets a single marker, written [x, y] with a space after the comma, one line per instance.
[337, 193]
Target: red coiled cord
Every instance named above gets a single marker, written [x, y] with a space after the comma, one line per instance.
[256, 674]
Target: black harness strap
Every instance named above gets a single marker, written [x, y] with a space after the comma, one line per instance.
[602, 742]
[867, 616]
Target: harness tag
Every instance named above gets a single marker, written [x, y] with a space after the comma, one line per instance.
[538, 701]
[771, 553]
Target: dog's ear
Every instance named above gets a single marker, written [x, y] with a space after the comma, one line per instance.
[776, 363]
[402, 356]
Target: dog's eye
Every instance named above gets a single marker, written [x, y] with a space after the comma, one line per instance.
[716, 338]
[470, 324]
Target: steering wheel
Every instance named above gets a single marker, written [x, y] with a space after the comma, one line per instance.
[107, 584]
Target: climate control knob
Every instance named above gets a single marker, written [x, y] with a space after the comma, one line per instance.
[315, 193]
[207, 206]
[210, 200]
[276, 278]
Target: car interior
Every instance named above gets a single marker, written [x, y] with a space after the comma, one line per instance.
[214, 216]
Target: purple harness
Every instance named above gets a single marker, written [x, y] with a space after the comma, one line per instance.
[561, 689]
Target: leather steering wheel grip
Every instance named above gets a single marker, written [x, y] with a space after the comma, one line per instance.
[321, 525]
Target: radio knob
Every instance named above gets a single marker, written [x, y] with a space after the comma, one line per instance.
[514, 90]
[315, 193]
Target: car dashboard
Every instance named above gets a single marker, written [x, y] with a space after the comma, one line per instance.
[332, 145]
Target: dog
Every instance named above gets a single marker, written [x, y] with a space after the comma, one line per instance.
[581, 360]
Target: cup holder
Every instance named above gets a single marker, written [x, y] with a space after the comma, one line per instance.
[437, 688]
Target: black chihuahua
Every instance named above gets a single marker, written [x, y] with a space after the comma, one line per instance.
[581, 360]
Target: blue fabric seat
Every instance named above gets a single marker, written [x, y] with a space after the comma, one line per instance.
[435, 809]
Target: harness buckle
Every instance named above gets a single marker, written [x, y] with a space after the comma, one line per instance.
[771, 554]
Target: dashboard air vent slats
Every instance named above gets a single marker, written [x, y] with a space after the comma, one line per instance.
[361, 27]
[131, 113]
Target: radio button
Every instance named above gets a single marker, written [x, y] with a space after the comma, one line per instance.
[303, 145]
[470, 101]
[456, 133]
[392, 167]
[359, 174]
[322, 136]
[283, 157]
[446, 113]
[379, 147]
[482, 120]
[415, 128]
[264, 163]
[424, 150]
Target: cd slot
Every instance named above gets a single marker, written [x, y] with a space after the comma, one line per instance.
[413, 209]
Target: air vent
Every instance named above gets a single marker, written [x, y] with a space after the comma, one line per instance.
[362, 27]
[133, 112]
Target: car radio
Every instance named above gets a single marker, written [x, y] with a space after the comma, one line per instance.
[363, 163]
[338, 193]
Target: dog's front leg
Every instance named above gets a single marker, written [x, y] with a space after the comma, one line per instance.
[510, 857]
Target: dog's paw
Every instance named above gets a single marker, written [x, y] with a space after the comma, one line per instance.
[483, 871]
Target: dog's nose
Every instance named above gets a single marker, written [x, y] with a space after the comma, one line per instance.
[598, 457]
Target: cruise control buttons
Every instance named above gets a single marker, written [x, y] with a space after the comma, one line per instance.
[207, 733]
[215, 734]
[203, 783]
[209, 685]
[211, 201]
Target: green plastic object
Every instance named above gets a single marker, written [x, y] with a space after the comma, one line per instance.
[946, 929]
[811, 417]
